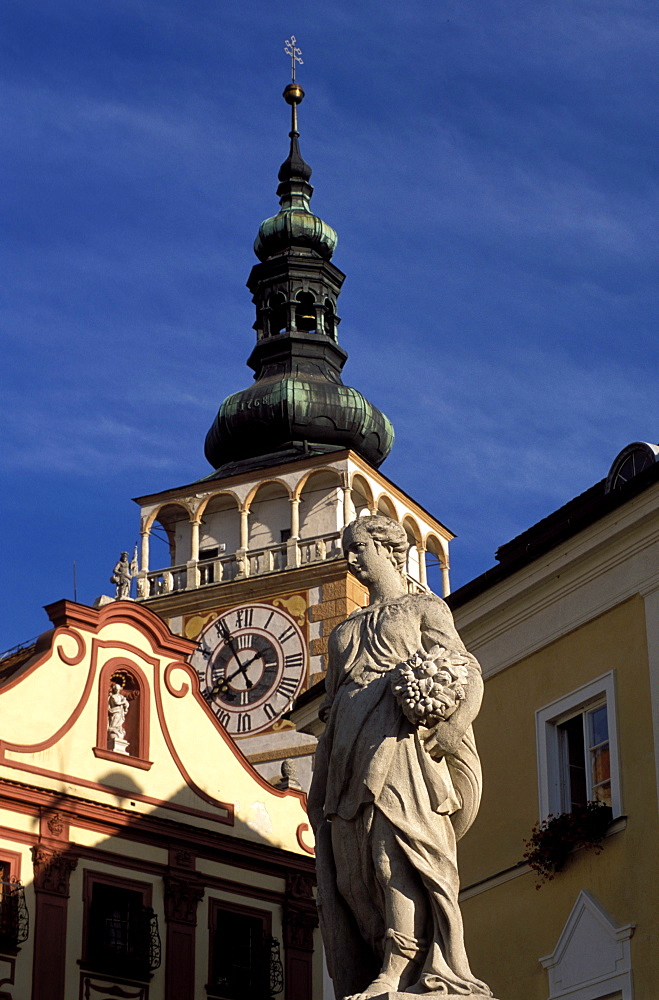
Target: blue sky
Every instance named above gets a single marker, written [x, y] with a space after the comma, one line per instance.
[491, 169]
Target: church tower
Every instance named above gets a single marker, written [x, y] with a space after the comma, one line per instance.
[256, 574]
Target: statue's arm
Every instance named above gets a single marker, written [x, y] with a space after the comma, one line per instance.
[445, 738]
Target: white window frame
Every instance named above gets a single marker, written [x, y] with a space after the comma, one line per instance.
[547, 720]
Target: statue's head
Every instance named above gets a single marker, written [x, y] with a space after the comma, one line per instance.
[387, 538]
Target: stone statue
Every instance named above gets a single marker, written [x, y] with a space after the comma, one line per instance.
[122, 574]
[118, 706]
[396, 783]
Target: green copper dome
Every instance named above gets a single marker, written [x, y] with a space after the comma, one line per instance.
[277, 416]
[298, 404]
[294, 227]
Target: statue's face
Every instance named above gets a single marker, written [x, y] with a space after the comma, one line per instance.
[366, 557]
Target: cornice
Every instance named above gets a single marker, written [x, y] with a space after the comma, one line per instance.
[579, 575]
[340, 460]
[227, 594]
[156, 831]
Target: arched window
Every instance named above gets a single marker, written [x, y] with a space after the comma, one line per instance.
[123, 714]
[329, 320]
[305, 312]
[278, 317]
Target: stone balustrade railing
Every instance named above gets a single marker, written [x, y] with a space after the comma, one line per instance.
[243, 563]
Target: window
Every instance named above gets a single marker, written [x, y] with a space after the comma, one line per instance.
[121, 930]
[14, 919]
[278, 315]
[240, 952]
[577, 749]
[585, 760]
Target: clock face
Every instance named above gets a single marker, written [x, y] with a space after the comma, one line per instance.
[251, 663]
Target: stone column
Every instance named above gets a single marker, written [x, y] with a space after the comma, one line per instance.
[292, 547]
[144, 557]
[241, 553]
[295, 517]
[348, 509]
[194, 539]
[192, 575]
[423, 575]
[52, 873]
[299, 923]
[446, 584]
[182, 897]
[244, 528]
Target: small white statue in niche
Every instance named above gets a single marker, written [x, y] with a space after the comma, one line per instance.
[118, 706]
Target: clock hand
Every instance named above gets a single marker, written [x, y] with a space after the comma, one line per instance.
[224, 683]
[226, 635]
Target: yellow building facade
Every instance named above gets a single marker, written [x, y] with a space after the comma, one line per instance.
[566, 628]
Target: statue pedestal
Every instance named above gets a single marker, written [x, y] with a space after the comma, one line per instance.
[118, 745]
[432, 996]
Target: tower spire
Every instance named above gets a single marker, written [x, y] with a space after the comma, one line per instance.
[293, 94]
[298, 404]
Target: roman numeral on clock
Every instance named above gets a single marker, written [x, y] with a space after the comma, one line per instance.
[244, 641]
[287, 687]
[244, 618]
[287, 634]
[294, 661]
[244, 723]
[269, 711]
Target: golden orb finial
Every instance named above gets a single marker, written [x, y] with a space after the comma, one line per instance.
[293, 93]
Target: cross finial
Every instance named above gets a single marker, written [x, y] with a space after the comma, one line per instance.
[292, 50]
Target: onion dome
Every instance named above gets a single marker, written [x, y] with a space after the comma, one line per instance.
[285, 418]
[294, 224]
[298, 405]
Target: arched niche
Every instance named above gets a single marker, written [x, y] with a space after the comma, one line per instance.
[321, 510]
[269, 515]
[361, 496]
[123, 706]
[435, 561]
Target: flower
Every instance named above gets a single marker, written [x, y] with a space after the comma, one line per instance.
[553, 839]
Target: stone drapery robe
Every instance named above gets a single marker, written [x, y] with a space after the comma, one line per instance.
[373, 773]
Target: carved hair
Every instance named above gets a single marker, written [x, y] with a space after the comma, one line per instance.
[389, 533]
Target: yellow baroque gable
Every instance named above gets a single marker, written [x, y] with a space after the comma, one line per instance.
[181, 766]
